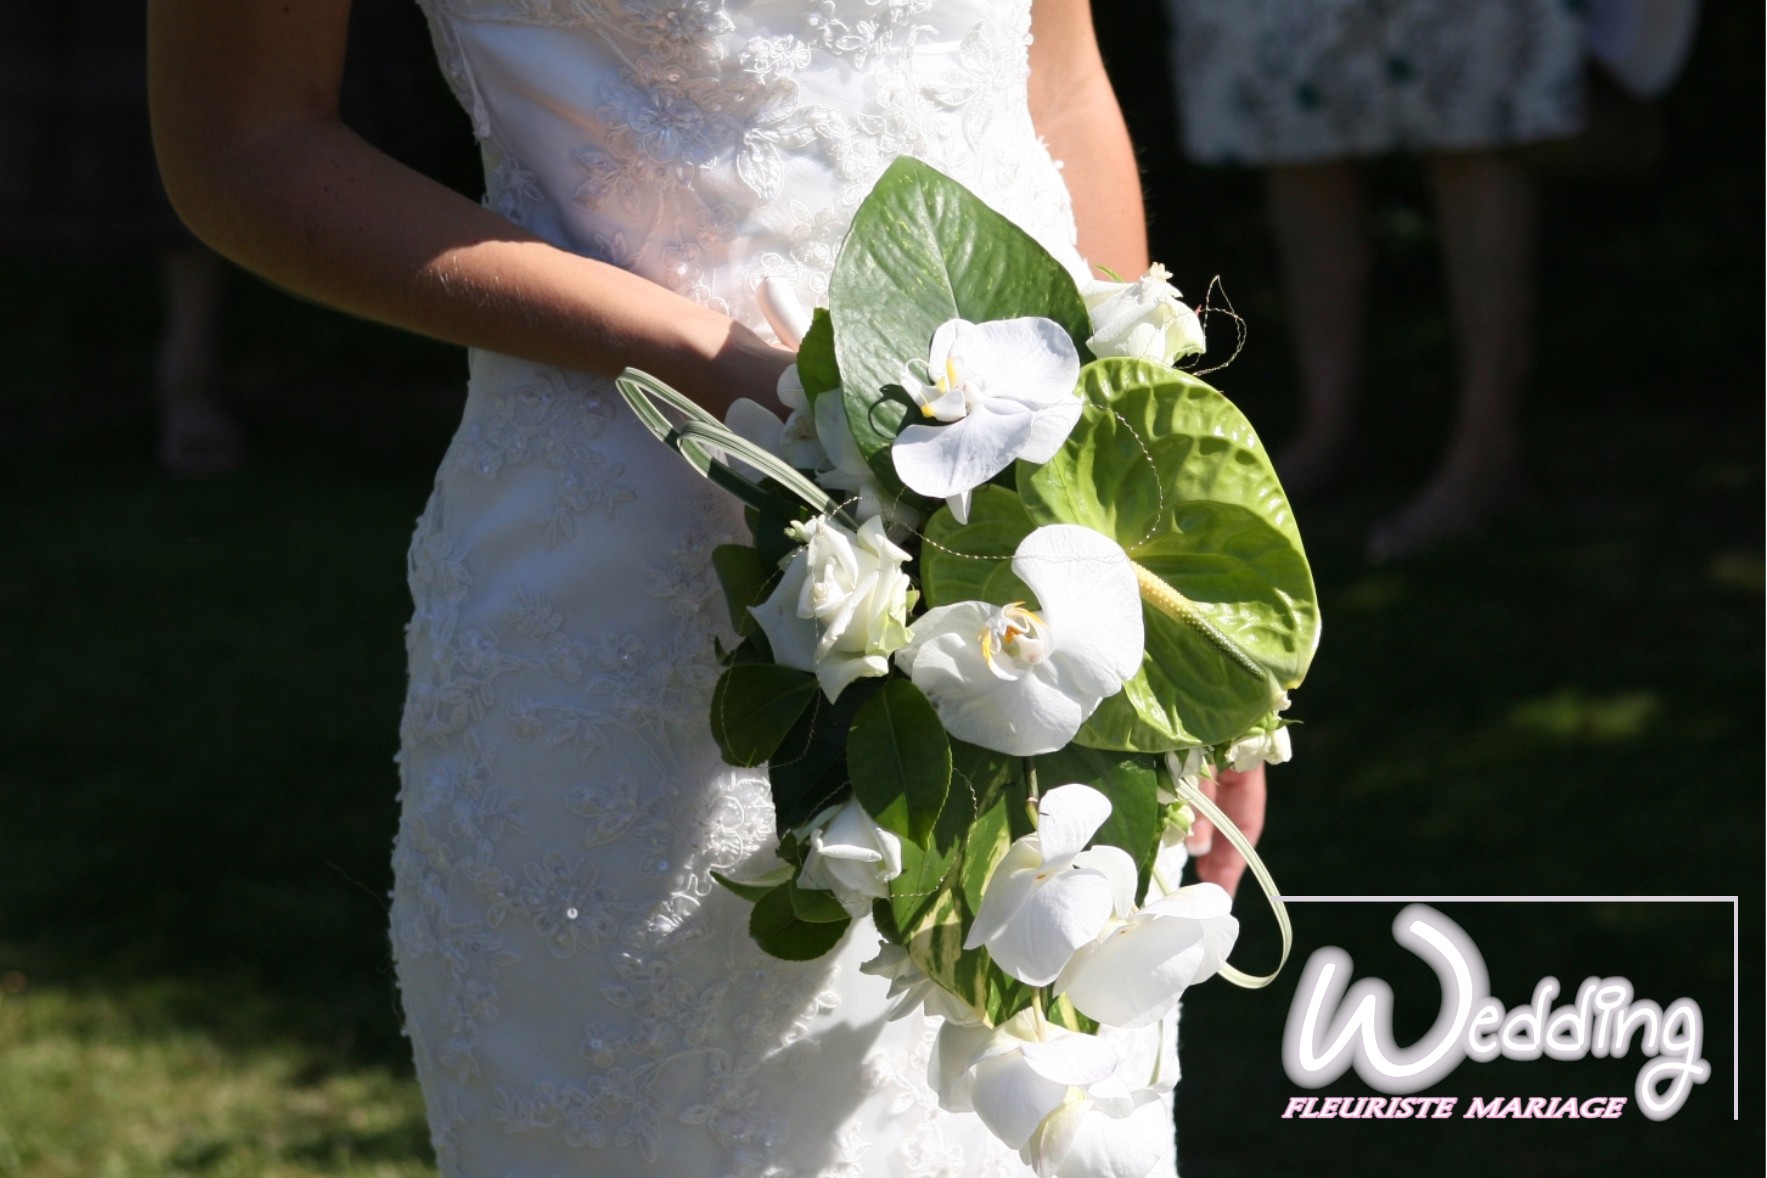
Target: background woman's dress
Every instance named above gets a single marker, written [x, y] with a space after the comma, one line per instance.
[1301, 81]
[581, 997]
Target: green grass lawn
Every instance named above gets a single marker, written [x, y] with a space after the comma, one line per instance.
[200, 685]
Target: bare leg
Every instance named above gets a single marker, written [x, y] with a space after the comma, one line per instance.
[1316, 212]
[1486, 209]
[197, 438]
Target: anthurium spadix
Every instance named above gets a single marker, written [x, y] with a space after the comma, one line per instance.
[1050, 895]
[992, 393]
[1022, 681]
[1133, 974]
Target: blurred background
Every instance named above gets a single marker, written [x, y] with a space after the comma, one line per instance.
[206, 489]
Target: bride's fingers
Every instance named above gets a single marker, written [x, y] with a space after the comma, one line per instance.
[1241, 797]
[1202, 831]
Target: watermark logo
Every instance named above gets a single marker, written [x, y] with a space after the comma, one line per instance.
[1333, 1025]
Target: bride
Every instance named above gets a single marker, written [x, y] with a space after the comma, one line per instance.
[580, 997]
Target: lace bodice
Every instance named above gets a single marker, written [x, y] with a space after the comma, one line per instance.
[705, 145]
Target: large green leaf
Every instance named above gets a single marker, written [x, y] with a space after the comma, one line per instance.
[1171, 470]
[900, 760]
[754, 706]
[778, 929]
[923, 250]
[973, 561]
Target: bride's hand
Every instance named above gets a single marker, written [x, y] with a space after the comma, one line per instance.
[1241, 797]
[749, 366]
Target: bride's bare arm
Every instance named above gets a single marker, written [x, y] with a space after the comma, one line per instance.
[1076, 112]
[245, 112]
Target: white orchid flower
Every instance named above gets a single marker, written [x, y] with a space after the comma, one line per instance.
[795, 439]
[1082, 1139]
[1147, 1058]
[841, 609]
[1014, 1076]
[1049, 895]
[1145, 319]
[1272, 747]
[846, 469]
[850, 855]
[911, 989]
[1001, 391]
[1134, 974]
[1020, 681]
[1074, 1105]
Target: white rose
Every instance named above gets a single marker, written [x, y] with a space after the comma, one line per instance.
[1144, 319]
[859, 596]
[842, 607]
[850, 855]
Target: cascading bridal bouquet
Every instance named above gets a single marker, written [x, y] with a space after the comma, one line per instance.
[1016, 585]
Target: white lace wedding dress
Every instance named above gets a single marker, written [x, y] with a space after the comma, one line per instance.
[581, 998]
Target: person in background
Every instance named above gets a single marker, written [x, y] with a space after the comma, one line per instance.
[1306, 89]
[81, 179]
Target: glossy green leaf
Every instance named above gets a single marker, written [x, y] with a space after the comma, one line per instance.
[923, 250]
[1170, 469]
[754, 706]
[973, 561]
[777, 929]
[746, 577]
[816, 363]
[809, 769]
[900, 760]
